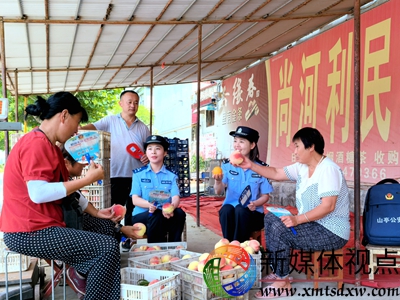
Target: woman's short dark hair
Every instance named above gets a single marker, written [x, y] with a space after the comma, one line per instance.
[46, 109]
[310, 136]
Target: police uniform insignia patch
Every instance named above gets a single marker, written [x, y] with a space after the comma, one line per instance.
[139, 169]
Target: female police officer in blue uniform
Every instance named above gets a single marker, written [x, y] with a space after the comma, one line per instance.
[154, 182]
[237, 221]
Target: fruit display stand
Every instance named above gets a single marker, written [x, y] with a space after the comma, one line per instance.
[147, 261]
[167, 288]
[138, 249]
[194, 286]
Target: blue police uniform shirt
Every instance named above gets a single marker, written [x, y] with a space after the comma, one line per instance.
[236, 179]
[144, 181]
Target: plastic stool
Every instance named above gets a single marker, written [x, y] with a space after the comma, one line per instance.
[317, 261]
[7, 252]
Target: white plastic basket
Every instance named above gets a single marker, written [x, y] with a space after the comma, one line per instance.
[193, 284]
[13, 259]
[99, 196]
[167, 288]
[144, 260]
[135, 249]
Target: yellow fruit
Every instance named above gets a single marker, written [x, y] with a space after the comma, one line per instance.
[217, 171]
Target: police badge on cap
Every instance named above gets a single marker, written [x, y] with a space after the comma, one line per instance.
[247, 133]
[156, 139]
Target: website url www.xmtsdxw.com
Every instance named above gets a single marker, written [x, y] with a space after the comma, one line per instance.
[331, 292]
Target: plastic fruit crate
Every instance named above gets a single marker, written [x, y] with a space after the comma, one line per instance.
[105, 143]
[194, 286]
[136, 251]
[167, 288]
[106, 167]
[144, 261]
[99, 196]
[13, 259]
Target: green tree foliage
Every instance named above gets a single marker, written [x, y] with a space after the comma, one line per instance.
[97, 103]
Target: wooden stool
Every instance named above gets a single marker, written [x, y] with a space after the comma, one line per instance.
[317, 260]
[257, 235]
[384, 261]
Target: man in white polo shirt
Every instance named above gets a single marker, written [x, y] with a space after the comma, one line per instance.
[125, 128]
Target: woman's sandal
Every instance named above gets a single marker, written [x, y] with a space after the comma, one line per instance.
[271, 292]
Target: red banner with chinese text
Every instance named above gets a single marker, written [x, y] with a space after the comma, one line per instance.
[243, 103]
[312, 85]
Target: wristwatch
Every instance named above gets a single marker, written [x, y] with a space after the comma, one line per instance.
[117, 228]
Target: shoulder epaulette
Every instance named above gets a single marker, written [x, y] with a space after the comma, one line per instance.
[225, 161]
[139, 169]
[261, 162]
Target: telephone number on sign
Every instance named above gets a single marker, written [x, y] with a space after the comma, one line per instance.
[374, 173]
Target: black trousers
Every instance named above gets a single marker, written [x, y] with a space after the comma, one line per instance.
[120, 190]
[239, 222]
[158, 226]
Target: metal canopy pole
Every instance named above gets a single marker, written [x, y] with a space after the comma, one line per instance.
[4, 81]
[199, 37]
[357, 68]
[151, 100]
[16, 95]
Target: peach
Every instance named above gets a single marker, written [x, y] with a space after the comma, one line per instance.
[119, 210]
[165, 258]
[155, 260]
[236, 158]
[255, 245]
[217, 171]
[150, 249]
[174, 258]
[168, 208]
[227, 268]
[186, 256]
[153, 281]
[193, 265]
[157, 247]
[179, 247]
[249, 250]
[221, 242]
[235, 243]
[221, 261]
[200, 266]
[143, 248]
[141, 229]
[204, 256]
[230, 262]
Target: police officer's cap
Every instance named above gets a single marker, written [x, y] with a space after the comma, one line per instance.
[156, 139]
[247, 133]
